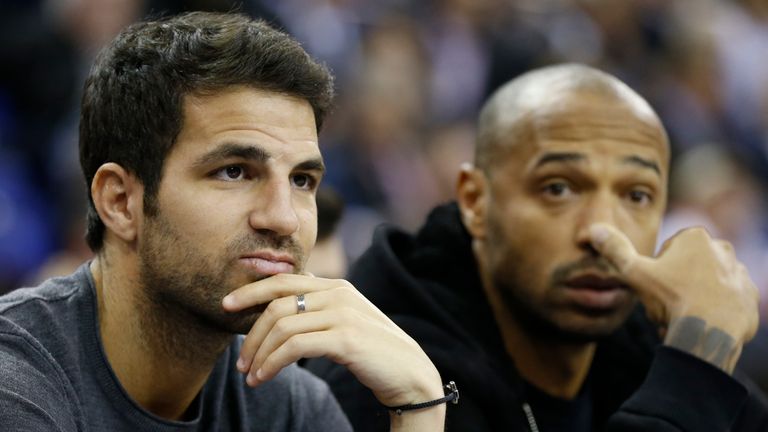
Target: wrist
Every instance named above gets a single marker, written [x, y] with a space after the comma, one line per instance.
[451, 396]
[423, 416]
[428, 419]
[712, 344]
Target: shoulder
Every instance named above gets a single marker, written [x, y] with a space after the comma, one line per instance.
[25, 305]
[35, 329]
[34, 391]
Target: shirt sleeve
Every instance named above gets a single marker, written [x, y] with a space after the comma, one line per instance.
[32, 396]
[681, 393]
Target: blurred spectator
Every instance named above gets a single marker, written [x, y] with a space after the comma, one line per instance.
[328, 258]
[712, 188]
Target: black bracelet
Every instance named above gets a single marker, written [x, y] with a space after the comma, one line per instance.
[451, 396]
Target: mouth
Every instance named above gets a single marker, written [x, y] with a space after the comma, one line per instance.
[268, 263]
[596, 292]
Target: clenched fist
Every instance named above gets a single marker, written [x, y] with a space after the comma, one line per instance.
[695, 287]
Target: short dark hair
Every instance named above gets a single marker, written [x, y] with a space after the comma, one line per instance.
[132, 101]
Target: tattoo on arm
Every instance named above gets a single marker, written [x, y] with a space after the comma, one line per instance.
[711, 344]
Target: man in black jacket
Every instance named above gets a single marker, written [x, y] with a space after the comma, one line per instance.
[526, 292]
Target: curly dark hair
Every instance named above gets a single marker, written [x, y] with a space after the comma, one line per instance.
[132, 101]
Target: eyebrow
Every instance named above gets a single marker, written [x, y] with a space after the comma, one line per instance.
[312, 165]
[637, 160]
[559, 157]
[252, 153]
[231, 150]
[576, 157]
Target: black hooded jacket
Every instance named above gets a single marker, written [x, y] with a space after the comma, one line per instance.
[428, 284]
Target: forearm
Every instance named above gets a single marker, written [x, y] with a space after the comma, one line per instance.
[708, 342]
[681, 393]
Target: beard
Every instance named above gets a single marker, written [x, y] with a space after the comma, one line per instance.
[534, 302]
[548, 320]
[183, 286]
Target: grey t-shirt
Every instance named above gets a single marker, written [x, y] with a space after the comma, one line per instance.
[54, 376]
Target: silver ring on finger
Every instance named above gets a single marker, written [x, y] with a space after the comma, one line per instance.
[301, 305]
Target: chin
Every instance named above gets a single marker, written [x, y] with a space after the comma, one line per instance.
[589, 328]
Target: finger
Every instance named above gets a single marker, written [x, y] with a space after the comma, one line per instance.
[283, 330]
[315, 344]
[615, 247]
[277, 309]
[726, 253]
[664, 246]
[280, 285]
[291, 326]
[748, 282]
[335, 299]
[725, 245]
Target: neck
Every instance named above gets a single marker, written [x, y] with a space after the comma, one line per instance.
[557, 368]
[161, 358]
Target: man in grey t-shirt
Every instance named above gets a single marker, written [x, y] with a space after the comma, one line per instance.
[198, 139]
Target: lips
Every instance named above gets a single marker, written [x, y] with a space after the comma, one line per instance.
[596, 291]
[595, 282]
[268, 263]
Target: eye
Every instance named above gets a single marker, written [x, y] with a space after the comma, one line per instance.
[230, 173]
[557, 189]
[304, 181]
[640, 197]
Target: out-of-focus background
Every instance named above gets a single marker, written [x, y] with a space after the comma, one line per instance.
[411, 75]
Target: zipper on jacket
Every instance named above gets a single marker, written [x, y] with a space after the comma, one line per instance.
[532, 426]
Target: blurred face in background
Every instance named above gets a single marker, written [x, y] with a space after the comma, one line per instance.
[93, 23]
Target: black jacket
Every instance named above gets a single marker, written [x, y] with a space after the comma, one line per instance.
[428, 284]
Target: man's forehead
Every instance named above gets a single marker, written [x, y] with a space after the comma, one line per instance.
[245, 117]
[584, 126]
[566, 158]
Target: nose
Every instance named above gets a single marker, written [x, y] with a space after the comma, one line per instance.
[274, 211]
[602, 207]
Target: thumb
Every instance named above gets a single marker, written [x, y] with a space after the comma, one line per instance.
[618, 250]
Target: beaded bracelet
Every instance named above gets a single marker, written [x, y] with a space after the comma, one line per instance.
[451, 396]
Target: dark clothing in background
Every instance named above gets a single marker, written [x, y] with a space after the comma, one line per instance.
[428, 284]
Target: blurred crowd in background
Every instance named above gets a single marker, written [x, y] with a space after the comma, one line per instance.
[411, 75]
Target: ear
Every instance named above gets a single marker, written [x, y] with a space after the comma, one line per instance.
[119, 199]
[471, 192]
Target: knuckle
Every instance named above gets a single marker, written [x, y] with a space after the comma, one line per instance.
[695, 233]
[725, 243]
[698, 231]
[347, 316]
[281, 328]
[272, 310]
[346, 285]
[346, 290]
[293, 343]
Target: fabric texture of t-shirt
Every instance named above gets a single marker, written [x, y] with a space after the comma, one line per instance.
[54, 376]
